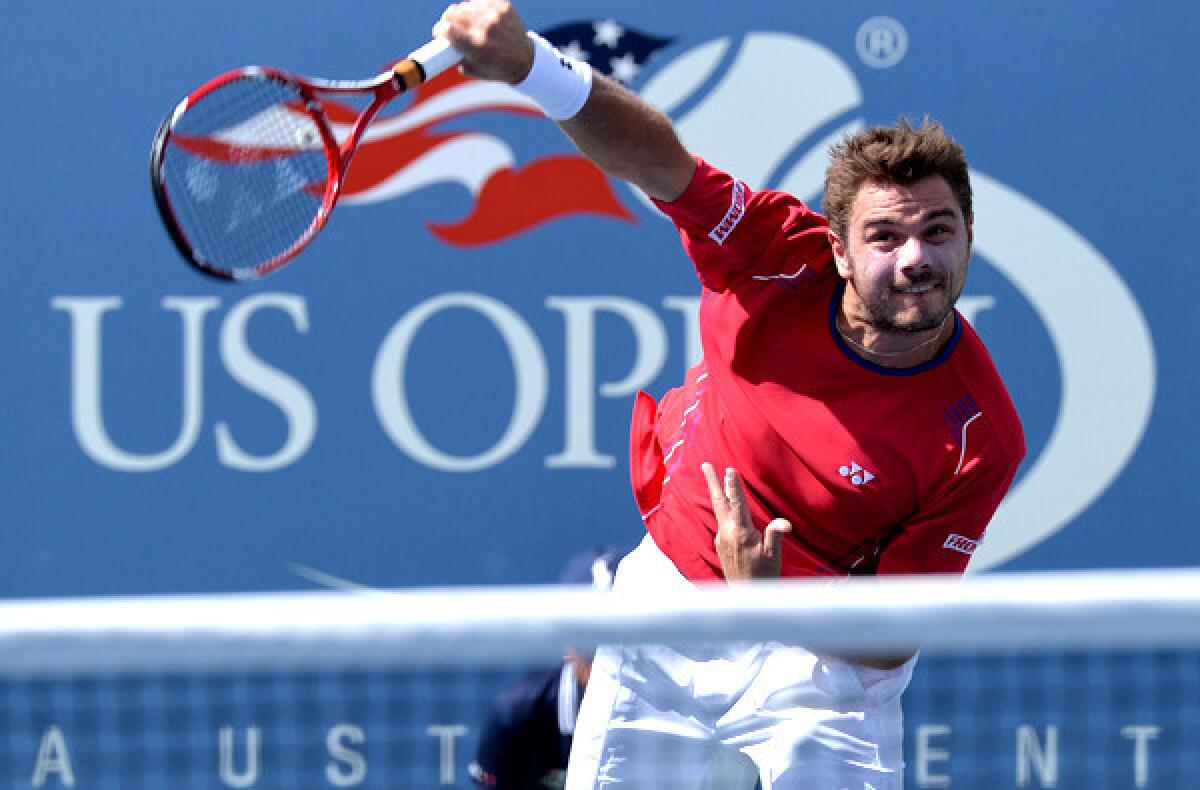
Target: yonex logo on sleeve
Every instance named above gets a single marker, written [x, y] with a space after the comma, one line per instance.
[960, 544]
[737, 210]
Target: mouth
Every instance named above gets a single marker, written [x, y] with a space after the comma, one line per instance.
[918, 289]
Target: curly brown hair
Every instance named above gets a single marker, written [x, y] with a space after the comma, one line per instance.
[900, 154]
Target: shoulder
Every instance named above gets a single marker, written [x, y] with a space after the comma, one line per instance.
[733, 232]
[715, 193]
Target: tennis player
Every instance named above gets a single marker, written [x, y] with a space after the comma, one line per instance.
[845, 419]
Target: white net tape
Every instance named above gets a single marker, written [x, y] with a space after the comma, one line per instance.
[487, 626]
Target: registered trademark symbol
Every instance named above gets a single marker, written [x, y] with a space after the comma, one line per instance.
[881, 42]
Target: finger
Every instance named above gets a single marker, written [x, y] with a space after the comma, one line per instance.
[773, 537]
[715, 492]
[736, 494]
[446, 29]
[452, 25]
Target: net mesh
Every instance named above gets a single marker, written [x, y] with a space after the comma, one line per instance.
[1093, 683]
[245, 171]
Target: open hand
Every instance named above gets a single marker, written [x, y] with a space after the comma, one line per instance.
[745, 553]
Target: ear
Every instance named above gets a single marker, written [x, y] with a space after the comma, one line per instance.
[839, 255]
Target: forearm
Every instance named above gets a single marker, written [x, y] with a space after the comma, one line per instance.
[612, 126]
[631, 140]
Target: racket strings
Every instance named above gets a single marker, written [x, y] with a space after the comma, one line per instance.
[246, 170]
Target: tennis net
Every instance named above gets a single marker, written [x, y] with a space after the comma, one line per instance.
[1081, 680]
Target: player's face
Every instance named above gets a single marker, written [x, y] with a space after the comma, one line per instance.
[905, 256]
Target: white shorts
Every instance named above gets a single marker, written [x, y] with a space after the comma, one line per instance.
[656, 718]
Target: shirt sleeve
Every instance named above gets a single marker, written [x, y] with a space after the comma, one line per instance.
[942, 537]
[731, 231]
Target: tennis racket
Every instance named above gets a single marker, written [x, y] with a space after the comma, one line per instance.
[247, 168]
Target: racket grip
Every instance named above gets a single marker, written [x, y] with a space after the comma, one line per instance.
[429, 61]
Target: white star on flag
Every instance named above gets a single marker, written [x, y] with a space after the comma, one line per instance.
[574, 51]
[624, 68]
[608, 33]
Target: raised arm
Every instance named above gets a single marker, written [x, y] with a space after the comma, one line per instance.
[616, 129]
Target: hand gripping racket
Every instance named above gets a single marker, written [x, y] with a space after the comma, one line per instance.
[247, 168]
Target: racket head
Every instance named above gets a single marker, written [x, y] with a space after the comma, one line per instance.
[245, 172]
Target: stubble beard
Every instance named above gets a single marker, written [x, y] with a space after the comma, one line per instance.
[881, 318]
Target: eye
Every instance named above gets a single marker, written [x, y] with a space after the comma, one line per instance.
[939, 231]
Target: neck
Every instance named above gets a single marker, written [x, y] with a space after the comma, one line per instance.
[892, 349]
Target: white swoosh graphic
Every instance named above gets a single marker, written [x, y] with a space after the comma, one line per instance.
[1108, 366]
[469, 160]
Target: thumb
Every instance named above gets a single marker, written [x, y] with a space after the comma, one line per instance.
[773, 536]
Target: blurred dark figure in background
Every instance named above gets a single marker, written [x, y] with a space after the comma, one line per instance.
[527, 739]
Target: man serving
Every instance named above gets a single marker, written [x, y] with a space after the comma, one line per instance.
[845, 419]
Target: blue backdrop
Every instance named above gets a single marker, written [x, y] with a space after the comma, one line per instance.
[415, 402]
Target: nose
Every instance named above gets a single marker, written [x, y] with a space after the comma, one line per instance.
[912, 257]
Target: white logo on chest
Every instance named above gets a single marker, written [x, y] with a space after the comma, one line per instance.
[856, 473]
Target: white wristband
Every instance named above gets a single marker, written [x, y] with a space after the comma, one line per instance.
[560, 85]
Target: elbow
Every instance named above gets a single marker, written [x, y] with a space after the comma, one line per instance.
[662, 176]
[620, 168]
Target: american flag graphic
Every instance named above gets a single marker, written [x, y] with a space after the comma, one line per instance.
[608, 46]
[407, 151]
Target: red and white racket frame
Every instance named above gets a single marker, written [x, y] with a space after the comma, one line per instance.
[420, 66]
